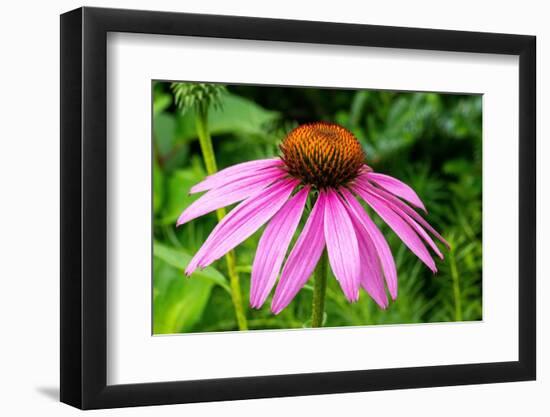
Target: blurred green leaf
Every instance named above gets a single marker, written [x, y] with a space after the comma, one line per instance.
[179, 302]
[238, 114]
[161, 102]
[179, 258]
[165, 130]
[177, 196]
[234, 115]
[158, 187]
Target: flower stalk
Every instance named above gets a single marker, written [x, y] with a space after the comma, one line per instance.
[207, 150]
[319, 291]
[456, 286]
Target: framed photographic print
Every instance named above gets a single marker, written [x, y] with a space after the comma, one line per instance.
[257, 208]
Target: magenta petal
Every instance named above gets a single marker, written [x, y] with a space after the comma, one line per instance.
[342, 248]
[234, 173]
[273, 246]
[399, 226]
[422, 233]
[379, 241]
[419, 230]
[302, 259]
[403, 209]
[242, 222]
[229, 194]
[370, 272]
[394, 186]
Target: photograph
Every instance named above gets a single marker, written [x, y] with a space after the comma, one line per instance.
[242, 208]
[294, 207]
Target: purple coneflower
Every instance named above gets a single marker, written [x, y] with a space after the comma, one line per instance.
[326, 163]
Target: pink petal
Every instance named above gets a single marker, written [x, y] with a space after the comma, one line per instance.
[402, 208]
[273, 246]
[342, 248]
[399, 188]
[370, 272]
[399, 226]
[229, 194]
[365, 168]
[234, 173]
[419, 230]
[302, 259]
[415, 226]
[241, 223]
[381, 245]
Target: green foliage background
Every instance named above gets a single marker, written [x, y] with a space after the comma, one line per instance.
[431, 141]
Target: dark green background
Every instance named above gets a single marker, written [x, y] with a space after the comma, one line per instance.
[431, 141]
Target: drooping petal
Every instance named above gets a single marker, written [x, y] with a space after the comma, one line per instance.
[422, 233]
[379, 241]
[229, 194]
[342, 248]
[273, 246]
[242, 222]
[399, 226]
[302, 259]
[370, 272]
[414, 225]
[394, 186]
[234, 173]
[404, 208]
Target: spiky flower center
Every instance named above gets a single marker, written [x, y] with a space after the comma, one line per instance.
[322, 154]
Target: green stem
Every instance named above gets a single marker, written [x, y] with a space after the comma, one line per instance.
[206, 141]
[211, 167]
[319, 291]
[456, 286]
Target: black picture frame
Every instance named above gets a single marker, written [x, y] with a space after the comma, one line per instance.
[84, 207]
